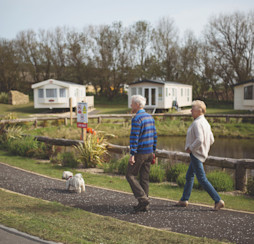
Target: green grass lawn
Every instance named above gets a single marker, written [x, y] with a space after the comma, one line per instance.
[117, 105]
[121, 128]
[56, 222]
[112, 109]
[20, 111]
[164, 190]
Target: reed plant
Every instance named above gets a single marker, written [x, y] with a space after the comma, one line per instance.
[92, 152]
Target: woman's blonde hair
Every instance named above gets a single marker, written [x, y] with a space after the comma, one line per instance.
[200, 105]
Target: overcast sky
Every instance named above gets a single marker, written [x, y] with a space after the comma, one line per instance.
[19, 15]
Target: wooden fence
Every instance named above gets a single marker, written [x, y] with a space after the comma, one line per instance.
[239, 165]
[100, 117]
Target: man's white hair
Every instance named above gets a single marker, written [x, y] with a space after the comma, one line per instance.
[139, 100]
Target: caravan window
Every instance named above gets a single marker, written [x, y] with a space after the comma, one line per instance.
[188, 94]
[174, 92]
[76, 93]
[160, 94]
[248, 93]
[40, 93]
[62, 92]
[133, 91]
[51, 92]
[140, 91]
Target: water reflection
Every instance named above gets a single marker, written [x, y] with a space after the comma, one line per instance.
[223, 147]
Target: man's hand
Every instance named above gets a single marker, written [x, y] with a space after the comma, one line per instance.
[132, 160]
[188, 150]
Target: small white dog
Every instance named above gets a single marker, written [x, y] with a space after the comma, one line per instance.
[77, 182]
[66, 175]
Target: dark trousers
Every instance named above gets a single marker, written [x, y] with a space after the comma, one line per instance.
[141, 166]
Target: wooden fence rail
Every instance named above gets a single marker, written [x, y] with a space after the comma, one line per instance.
[239, 165]
[100, 117]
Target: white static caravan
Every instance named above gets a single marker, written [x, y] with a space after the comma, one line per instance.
[161, 94]
[55, 94]
[244, 95]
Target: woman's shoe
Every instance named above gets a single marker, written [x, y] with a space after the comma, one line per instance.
[219, 205]
[182, 204]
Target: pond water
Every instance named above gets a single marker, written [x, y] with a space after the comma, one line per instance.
[222, 147]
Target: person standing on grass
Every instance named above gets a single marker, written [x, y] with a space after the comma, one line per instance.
[143, 139]
[198, 140]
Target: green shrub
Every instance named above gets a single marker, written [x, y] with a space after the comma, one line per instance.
[221, 181]
[57, 122]
[10, 116]
[174, 171]
[123, 163]
[181, 181]
[111, 167]
[157, 173]
[68, 159]
[117, 166]
[4, 97]
[56, 159]
[250, 186]
[25, 146]
[8, 133]
[44, 123]
[44, 151]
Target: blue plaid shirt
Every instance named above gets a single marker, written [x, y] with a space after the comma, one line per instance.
[143, 137]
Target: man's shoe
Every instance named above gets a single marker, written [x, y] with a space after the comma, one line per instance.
[182, 204]
[219, 205]
[136, 206]
[141, 207]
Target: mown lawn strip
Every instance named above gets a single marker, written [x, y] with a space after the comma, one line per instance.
[56, 222]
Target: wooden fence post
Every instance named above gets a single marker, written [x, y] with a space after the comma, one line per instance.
[35, 123]
[70, 103]
[240, 177]
[65, 121]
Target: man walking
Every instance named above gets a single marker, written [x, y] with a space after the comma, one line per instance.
[143, 139]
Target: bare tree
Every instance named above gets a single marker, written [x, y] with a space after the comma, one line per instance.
[28, 50]
[122, 57]
[58, 52]
[76, 56]
[231, 42]
[102, 56]
[165, 48]
[141, 33]
[45, 54]
[208, 79]
[112, 57]
[188, 65]
[9, 67]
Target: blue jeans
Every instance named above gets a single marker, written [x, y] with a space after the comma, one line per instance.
[196, 167]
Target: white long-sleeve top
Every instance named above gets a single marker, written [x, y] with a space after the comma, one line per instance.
[199, 138]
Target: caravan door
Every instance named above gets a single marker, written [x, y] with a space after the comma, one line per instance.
[151, 96]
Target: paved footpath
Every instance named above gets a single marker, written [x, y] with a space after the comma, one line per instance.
[224, 225]
[13, 236]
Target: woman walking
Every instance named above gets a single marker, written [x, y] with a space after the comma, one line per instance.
[198, 140]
